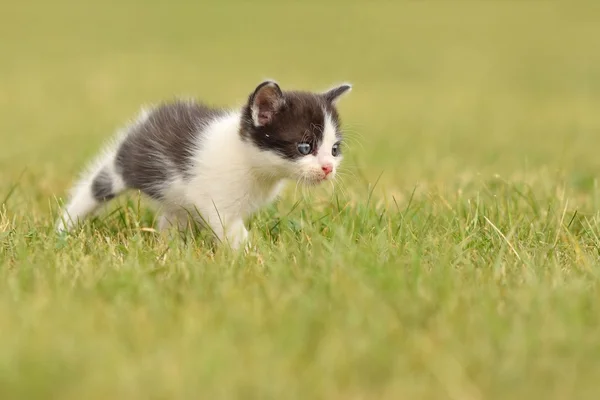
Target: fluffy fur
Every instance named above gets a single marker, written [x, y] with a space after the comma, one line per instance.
[217, 166]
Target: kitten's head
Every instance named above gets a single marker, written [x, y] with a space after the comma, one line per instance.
[298, 132]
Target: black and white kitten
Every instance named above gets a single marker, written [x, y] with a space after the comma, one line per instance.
[216, 165]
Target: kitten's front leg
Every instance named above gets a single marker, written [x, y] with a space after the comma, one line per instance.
[236, 234]
[228, 229]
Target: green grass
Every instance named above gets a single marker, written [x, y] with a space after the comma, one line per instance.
[458, 258]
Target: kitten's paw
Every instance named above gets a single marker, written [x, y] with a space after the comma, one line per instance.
[237, 235]
[59, 228]
[250, 249]
[62, 227]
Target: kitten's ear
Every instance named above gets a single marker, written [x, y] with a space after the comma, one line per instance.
[266, 100]
[332, 95]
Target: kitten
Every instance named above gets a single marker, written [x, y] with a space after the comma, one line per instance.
[215, 165]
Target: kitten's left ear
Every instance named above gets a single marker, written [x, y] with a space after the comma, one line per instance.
[265, 102]
[332, 95]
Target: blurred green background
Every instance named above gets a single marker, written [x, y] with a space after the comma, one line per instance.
[453, 98]
[443, 90]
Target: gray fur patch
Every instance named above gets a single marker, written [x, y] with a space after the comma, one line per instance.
[102, 187]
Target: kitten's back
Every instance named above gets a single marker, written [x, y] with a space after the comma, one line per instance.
[159, 147]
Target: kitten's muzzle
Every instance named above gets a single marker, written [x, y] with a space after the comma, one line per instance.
[327, 169]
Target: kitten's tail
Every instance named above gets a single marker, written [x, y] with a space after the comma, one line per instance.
[97, 185]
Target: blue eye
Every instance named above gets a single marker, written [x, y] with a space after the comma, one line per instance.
[304, 148]
[335, 150]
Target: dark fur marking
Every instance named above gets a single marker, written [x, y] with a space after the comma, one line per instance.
[102, 187]
[301, 118]
[332, 95]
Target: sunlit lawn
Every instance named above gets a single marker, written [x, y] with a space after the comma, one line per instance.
[458, 258]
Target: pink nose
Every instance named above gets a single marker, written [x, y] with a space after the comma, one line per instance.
[327, 168]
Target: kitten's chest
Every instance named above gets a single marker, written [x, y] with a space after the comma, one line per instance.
[234, 194]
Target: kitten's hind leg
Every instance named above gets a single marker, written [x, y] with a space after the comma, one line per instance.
[173, 219]
[93, 190]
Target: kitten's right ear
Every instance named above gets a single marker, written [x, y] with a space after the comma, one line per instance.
[265, 102]
[332, 95]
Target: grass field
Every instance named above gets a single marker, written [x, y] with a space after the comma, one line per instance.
[458, 258]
